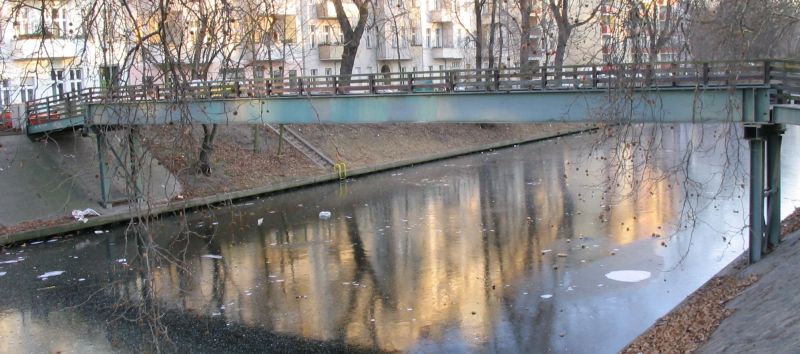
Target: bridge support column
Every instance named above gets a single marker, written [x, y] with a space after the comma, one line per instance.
[124, 162]
[104, 173]
[773, 134]
[764, 234]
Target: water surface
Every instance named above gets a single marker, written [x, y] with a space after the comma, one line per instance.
[504, 251]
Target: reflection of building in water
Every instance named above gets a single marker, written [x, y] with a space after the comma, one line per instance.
[431, 259]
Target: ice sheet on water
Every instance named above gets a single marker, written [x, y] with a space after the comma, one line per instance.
[628, 276]
[51, 274]
[546, 296]
[2, 274]
[213, 256]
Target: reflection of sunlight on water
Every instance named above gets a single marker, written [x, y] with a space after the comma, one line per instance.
[451, 258]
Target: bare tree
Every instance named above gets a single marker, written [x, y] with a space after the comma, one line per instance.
[352, 36]
[568, 15]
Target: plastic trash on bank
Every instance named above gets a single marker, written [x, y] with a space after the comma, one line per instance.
[81, 215]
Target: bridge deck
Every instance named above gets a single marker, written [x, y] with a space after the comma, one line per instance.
[664, 92]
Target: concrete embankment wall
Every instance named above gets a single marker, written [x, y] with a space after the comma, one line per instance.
[49, 176]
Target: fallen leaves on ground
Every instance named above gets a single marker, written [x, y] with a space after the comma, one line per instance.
[686, 328]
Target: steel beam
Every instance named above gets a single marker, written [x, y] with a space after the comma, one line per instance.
[679, 105]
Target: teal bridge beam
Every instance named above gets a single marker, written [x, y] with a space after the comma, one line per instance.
[760, 95]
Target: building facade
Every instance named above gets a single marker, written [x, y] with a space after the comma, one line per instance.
[54, 47]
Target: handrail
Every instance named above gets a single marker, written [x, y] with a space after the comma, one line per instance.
[782, 74]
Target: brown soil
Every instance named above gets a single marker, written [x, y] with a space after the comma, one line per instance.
[368, 144]
[235, 163]
[691, 324]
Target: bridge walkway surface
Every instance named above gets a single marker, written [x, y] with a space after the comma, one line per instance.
[760, 95]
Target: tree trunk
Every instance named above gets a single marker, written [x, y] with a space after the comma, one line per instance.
[478, 4]
[352, 36]
[492, 35]
[206, 149]
[526, 45]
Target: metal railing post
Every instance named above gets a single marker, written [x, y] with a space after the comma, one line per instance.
[371, 84]
[706, 69]
[544, 77]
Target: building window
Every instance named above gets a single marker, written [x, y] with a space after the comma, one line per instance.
[59, 17]
[428, 37]
[357, 70]
[327, 34]
[258, 72]
[313, 33]
[5, 92]
[27, 89]
[368, 39]
[313, 72]
[369, 70]
[328, 71]
[109, 75]
[75, 80]
[232, 74]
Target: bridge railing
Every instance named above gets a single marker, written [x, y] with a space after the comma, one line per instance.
[785, 76]
[782, 74]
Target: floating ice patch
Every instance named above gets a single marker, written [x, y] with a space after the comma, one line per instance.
[324, 215]
[51, 274]
[546, 296]
[97, 232]
[2, 274]
[214, 256]
[260, 221]
[628, 276]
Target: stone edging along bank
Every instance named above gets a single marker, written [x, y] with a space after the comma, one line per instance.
[229, 197]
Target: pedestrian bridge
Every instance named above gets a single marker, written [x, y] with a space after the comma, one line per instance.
[761, 95]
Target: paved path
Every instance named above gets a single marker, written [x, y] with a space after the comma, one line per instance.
[766, 317]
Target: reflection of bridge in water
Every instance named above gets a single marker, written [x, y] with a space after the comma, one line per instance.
[756, 94]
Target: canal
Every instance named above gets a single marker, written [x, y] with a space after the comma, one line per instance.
[523, 249]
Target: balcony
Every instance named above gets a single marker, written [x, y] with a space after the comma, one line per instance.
[326, 11]
[328, 52]
[38, 47]
[446, 53]
[389, 53]
[441, 16]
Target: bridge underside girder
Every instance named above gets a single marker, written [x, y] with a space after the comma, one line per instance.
[711, 105]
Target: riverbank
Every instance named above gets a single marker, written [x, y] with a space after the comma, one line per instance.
[243, 171]
[745, 308]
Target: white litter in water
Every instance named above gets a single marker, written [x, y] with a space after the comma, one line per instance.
[122, 260]
[11, 261]
[546, 296]
[97, 232]
[628, 276]
[81, 279]
[214, 256]
[546, 251]
[324, 215]
[36, 242]
[51, 274]
[2, 274]
[260, 221]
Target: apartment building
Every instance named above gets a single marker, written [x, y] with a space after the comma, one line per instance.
[54, 47]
